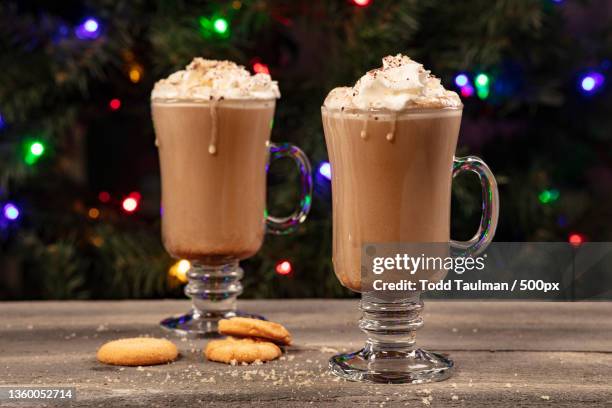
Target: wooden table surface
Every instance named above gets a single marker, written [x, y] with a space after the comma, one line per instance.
[507, 354]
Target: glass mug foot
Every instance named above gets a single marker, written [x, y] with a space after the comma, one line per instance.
[390, 354]
[213, 291]
[195, 324]
[392, 367]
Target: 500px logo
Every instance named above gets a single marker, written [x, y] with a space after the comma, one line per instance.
[413, 264]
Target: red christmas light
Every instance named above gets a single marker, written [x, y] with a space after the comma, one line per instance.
[576, 239]
[135, 195]
[114, 104]
[362, 3]
[261, 68]
[284, 268]
[130, 204]
[104, 197]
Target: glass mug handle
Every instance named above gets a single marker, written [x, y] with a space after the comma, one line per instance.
[490, 206]
[286, 225]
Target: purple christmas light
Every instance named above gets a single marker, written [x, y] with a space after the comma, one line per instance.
[591, 82]
[10, 211]
[88, 29]
[325, 170]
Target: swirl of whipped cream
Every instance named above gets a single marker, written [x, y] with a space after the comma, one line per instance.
[399, 84]
[206, 79]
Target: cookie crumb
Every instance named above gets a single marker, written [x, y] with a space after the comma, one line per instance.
[545, 397]
[455, 398]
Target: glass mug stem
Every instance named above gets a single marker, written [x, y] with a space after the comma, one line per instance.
[214, 289]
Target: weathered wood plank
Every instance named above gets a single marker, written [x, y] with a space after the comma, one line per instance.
[559, 350]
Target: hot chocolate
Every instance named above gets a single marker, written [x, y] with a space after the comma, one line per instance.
[212, 126]
[391, 141]
[213, 169]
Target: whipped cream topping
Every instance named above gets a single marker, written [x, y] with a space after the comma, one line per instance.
[206, 79]
[399, 84]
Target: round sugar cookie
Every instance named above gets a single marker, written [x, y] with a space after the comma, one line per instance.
[241, 350]
[247, 327]
[138, 351]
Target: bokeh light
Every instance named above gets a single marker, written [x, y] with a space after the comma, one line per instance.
[89, 29]
[10, 211]
[591, 82]
[104, 196]
[93, 213]
[576, 239]
[130, 204]
[461, 80]
[114, 104]
[261, 68]
[325, 170]
[284, 268]
[220, 25]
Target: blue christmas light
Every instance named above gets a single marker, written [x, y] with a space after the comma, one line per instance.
[461, 80]
[591, 82]
[2, 123]
[10, 211]
[325, 170]
[88, 29]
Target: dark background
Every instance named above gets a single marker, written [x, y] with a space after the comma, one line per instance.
[546, 138]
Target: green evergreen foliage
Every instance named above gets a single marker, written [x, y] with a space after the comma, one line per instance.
[536, 131]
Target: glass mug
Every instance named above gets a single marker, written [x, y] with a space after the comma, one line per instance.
[391, 183]
[214, 157]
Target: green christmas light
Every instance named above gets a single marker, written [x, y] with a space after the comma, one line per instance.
[549, 196]
[214, 27]
[482, 83]
[220, 25]
[37, 149]
[34, 150]
[482, 80]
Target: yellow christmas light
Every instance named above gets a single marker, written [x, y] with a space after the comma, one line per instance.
[135, 73]
[93, 213]
[179, 270]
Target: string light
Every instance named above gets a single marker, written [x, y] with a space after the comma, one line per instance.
[217, 26]
[179, 270]
[549, 196]
[10, 211]
[129, 204]
[88, 29]
[37, 149]
[135, 195]
[362, 3]
[2, 123]
[325, 170]
[260, 68]
[135, 73]
[93, 213]
[34, 150]
[461, 80]
[104, 196]
[114, 104]
[591, 82]
[576, 239]
[284, 268]
[467, 91]
[221, 25]
[482, 83]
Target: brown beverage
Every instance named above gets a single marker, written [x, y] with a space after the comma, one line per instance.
[213, 169]
[391, 179]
